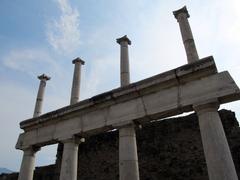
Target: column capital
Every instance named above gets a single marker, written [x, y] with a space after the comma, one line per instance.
[31, 149]
[210, 105]
[183, 10]
[44, 77]
[78, 60]
[124, 39]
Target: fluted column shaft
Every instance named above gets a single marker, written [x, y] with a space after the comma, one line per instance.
[128, 158]
[182, 17]
[39, 101]
[216, 149]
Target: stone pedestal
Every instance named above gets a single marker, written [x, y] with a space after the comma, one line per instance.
[70, 159]
[128, 158]
[39, 101]
[28, 164]
[216, 150]
[182, 17]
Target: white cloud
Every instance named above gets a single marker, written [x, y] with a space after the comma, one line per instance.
[30, 61]
[63, 34]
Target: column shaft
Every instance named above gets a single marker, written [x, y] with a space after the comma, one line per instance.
[217, 153]
[128, 158]
[76, 80]
[39, 101]
[124, 63]
[75, 85]
[187, 37]
[69, 161]
[27, 166]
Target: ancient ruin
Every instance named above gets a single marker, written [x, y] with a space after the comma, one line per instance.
[196, 86]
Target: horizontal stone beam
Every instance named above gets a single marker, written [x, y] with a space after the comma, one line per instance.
[202, 68]
[166, 94]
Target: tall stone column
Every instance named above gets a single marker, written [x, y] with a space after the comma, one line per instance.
[182, 17]
[124, 60]
[76, 80]
[70, 159]
[128, 158]
[75, 94]
[39, 101]
[216, 150]
[28, 164]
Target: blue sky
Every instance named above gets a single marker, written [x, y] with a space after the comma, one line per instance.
[44, 36]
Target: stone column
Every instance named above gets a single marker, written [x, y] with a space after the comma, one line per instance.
[28, 163]
[182, 17]
[128, 158]
[76, 80]
[124, 60]
[70, 159]
[39, 101]
[75, 94]
[217, 153]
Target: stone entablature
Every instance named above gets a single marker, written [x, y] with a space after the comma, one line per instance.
[169, 93]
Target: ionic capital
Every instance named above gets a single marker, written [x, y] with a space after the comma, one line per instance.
[78, 60]
[183, 10]
[44, 77]
[124, 39]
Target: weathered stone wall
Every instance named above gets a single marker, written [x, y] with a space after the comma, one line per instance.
[168, 150]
